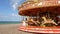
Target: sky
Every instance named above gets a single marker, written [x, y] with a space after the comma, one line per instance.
[9, 10]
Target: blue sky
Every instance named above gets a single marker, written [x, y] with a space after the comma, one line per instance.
[9, 10]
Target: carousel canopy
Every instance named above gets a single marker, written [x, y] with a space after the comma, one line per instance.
[32, 8]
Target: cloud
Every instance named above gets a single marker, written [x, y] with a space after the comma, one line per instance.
[1, 15]
[10, 17]
[14, 3]
[14, 6]
[14, 15]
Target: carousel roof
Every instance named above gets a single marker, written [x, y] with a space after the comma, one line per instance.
[29, 8]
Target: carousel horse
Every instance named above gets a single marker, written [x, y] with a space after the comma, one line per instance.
[48, 22]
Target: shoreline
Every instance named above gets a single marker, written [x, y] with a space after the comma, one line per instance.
[12, 24]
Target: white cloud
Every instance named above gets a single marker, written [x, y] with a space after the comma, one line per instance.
[1, 15]
[10, 17]
[14, 3]
[14, 6]
[14, 15]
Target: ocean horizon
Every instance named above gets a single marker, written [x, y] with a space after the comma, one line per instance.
[10, 22]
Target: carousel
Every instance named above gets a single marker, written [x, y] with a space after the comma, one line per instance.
[41, 16]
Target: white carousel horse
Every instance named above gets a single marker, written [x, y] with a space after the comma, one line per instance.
[48, 21]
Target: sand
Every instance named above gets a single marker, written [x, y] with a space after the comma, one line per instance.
[11, 29]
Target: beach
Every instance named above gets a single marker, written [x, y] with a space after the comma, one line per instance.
[10, 29]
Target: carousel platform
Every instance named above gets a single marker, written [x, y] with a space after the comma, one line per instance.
[38, 29]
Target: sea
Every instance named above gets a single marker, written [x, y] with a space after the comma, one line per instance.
[10, 22]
